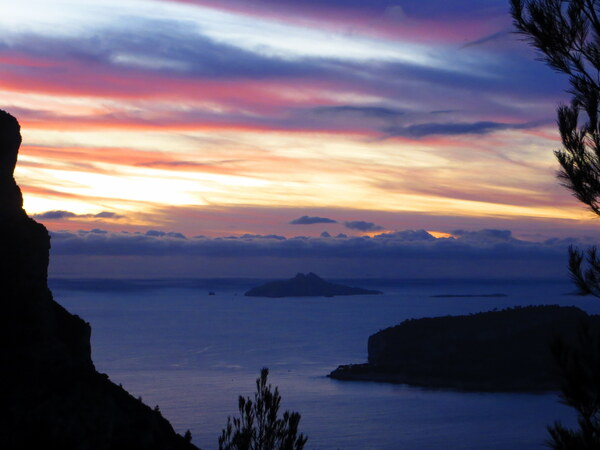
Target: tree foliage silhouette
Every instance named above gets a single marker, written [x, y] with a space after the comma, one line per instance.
[258, 427]
[580, 372]
[567, 35]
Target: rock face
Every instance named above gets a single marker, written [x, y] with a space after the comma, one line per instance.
[52, 396]
[309, 285]
[506, 350]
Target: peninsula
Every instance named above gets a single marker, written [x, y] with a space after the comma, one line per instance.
[508, 350]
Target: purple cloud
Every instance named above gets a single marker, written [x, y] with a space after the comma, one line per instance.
[308, 220]
[361, 225]
[54, 215]
[62, 215]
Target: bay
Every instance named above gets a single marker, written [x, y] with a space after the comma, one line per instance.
[192, 354]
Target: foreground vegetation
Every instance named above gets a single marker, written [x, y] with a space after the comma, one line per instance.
[258, 427]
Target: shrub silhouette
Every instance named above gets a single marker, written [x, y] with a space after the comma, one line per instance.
[258, 427]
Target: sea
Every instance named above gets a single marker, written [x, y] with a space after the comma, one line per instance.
[192, 346]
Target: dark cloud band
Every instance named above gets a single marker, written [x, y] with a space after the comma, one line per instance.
[310, 220]
[400, 254]
[361, 225]
[62, 215]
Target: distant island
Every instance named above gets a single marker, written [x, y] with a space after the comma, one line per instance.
[506, 350]
[309, 285]
[468, 295]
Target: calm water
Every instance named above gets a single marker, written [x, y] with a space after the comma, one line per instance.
[193, 354]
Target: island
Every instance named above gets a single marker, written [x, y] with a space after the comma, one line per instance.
[507, 350]
[309, 285]
[468, 295]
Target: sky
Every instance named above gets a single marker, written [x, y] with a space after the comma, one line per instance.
[263, 137]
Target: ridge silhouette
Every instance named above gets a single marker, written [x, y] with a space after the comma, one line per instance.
[52, 395]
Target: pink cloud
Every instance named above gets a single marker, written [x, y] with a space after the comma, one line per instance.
[378, 20]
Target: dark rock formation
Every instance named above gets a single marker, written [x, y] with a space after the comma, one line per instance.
[52, 397]
[506, 350]
[309, 285]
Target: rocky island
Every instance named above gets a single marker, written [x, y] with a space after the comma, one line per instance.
[52, 395]
[309, 285]
[508, 350]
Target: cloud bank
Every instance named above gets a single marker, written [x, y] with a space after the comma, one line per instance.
[400, 254]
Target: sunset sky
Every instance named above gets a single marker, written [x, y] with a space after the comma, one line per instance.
[169, 128]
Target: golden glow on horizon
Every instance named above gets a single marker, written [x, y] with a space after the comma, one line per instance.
[168, 168]
[136, 188]
[439, 234]
[143, 131]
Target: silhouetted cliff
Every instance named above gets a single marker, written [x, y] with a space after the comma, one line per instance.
[500, 350]
[52, 396]
[309, 285]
